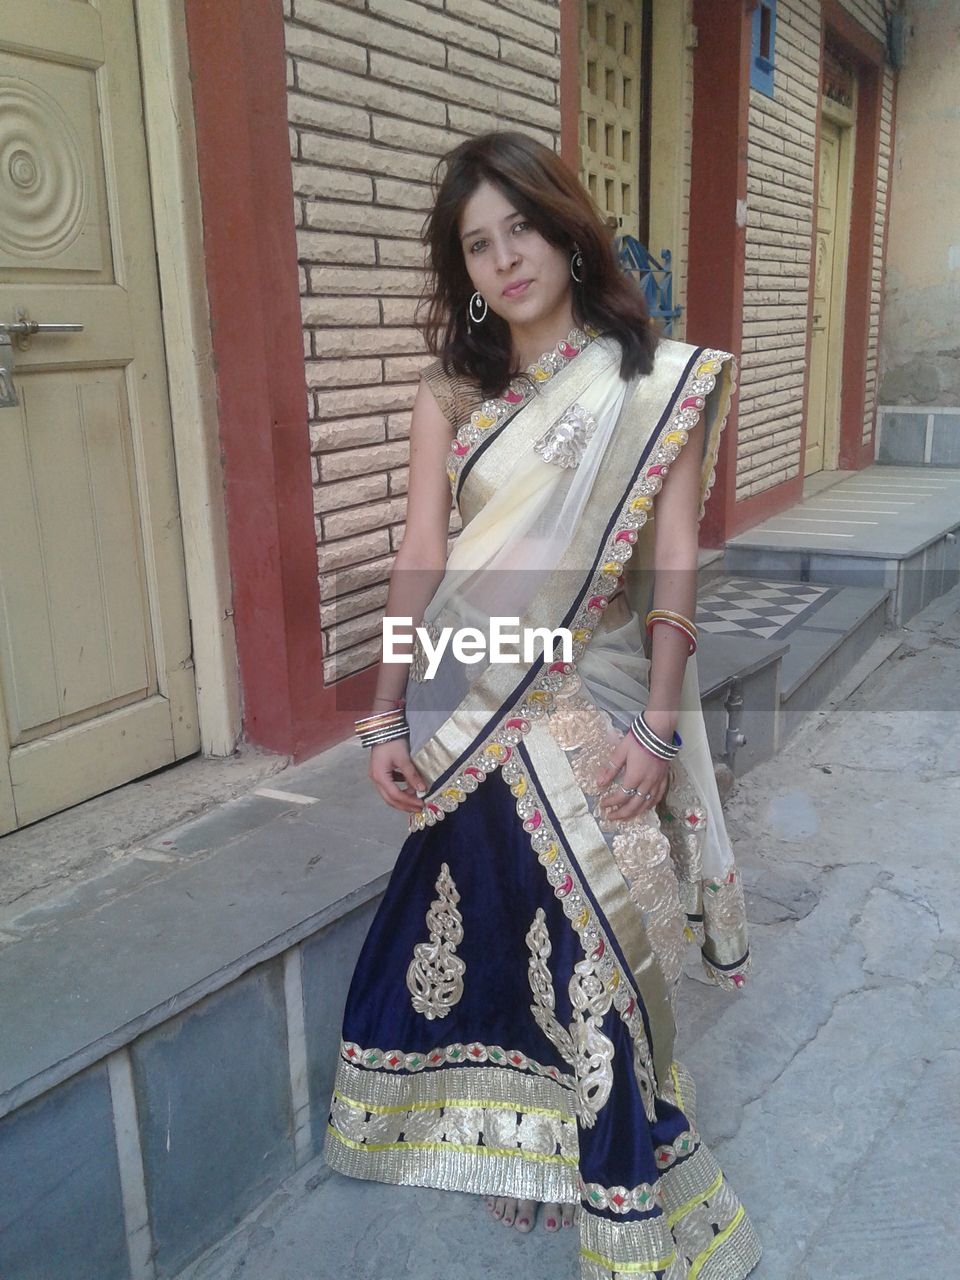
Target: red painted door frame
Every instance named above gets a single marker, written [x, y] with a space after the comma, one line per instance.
[716, 252]
[238, 72]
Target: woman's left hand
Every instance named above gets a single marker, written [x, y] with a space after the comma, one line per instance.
[642, 771]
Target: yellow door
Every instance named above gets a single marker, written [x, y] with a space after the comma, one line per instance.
[826, 344]
[610, 108]
[96, 677]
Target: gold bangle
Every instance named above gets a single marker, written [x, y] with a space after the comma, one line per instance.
[378, 721]
[671, 613]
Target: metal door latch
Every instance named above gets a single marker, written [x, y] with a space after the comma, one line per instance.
[8, 396]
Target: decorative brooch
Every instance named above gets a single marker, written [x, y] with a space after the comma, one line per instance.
[564, 442]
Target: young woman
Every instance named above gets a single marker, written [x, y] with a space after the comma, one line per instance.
[509, 1028]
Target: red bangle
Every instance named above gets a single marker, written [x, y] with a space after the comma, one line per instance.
[679, 627]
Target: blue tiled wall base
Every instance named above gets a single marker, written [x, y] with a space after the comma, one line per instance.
[61, 1207]
[212, 1088]
[902, 437]
[213, 1093]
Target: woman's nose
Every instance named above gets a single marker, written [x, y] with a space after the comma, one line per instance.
[506, 255]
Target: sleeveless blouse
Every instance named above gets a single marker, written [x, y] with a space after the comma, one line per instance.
[456, 395]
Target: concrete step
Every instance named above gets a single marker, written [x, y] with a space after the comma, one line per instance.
[821, 653]
[890, 527]
[786, 644]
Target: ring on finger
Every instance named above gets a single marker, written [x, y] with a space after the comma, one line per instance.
[627, 791]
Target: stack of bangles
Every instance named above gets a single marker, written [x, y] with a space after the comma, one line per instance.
[639, 728]
[382, 726]
[652, 742]
[676, 620]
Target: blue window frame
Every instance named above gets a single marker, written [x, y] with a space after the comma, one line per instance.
[764, 35]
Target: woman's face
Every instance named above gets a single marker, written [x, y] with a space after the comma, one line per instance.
[523, 277]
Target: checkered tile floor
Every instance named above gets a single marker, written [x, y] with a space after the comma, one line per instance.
[759, 608]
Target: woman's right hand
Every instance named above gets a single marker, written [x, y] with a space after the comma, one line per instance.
[394, 757]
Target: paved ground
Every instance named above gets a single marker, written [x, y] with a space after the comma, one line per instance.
[834, 1101]
[44, 861]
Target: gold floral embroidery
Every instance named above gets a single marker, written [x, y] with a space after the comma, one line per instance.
[583, 1045]
[375, 1059]
[435, 975]
[640, 848]
[541, 984]
[498, 1125]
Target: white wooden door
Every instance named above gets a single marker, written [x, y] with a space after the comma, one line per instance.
[96, 676]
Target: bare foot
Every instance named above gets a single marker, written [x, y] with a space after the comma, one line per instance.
[522, 1213]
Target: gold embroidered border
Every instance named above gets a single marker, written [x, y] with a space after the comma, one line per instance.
[733, 1254]
[445, 1055]
[489, 1083]
[703, 1231]
[457, 1125]
[477, 1170]
[715, 908]
[522, 389]
[458, 1165]
[597, 864]
[492, 469]
[700, 1231]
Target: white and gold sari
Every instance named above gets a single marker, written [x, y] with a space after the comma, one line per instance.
[510, 1024]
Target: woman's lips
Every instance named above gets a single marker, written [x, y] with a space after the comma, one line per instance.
[515, 290]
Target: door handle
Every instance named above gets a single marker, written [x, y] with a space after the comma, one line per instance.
[27, 327]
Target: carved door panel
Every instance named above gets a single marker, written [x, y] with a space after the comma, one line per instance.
[612, 119]
[96, 677]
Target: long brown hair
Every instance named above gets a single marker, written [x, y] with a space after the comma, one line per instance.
[548, 195]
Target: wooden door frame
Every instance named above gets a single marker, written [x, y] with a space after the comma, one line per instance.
[868, 55]
[846, 154]
[185, 319]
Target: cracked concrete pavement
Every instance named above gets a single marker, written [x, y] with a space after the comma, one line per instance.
[829, 1087]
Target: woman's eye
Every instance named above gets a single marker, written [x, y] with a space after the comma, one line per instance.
[522, 225]
[473, 247]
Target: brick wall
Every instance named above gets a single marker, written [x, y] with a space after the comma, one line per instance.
[869, 13]
[377, 91]
[779, 231]
[780, 225]
[876, 288]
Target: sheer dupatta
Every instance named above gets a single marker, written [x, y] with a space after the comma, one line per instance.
[550, 544]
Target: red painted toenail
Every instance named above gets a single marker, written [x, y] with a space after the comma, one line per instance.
[524, 1221]
[551, 1222]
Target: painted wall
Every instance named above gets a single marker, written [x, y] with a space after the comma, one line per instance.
[920, 358]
